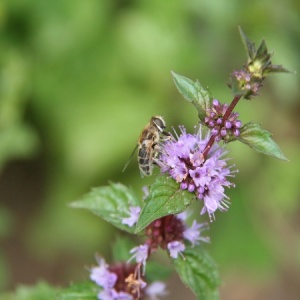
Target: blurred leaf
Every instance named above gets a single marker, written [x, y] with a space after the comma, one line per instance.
[111, 203]
[121, 248]
[40, 291]
[6, 221]
[199, 272]
[260, 140]
[4, 271]
[165, 198]
[157, 271]
[194, 93]
[79, 291]
[18, 140]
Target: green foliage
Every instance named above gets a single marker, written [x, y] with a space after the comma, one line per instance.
[199, 272]
[193, 92]
[41, 291]
[259, 60]
[110, 203]
[165, 198]
[157, 271]
[79, 291]
[260, 140]
[17, 141]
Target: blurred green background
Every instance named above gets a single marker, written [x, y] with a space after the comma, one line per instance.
[79, 80]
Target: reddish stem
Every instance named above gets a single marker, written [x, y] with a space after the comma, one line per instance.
[225, 117]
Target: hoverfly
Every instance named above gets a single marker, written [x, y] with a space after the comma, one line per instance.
[148, 144]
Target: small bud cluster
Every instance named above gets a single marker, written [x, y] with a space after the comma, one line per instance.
[169, 233]
[222, 129]
[163, 231]
[248, 82]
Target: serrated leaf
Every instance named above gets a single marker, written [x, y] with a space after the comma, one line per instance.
[111, 203]
[79, 291]
[260, 140]
[193, 92]
[165, 198]
[199, 272]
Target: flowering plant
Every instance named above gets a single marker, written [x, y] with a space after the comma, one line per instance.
[194, 167]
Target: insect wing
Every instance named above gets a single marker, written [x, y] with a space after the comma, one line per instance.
[130, 158]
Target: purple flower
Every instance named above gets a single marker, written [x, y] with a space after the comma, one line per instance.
[102, 276]
[193, 233]
[140, 253]
[207, 176]
[113, 295]
[156, 289]
[107, 280]
[222, 129]
[175, 248]
[133, 216]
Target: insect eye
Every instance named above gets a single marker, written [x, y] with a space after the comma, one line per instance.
[159, 123]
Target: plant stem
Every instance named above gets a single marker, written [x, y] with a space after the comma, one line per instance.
[225, 117]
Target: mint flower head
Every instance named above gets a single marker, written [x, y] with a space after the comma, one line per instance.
[123, 281]
[223, 130]
[205, 176]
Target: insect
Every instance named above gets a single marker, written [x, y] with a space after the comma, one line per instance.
[148, 144]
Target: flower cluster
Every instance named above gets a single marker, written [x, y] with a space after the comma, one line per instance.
[206, 176]
[169, 233]
[247, 82]
[126, 281]
[215, 121]
[123, 281]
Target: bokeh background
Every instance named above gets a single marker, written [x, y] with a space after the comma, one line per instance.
[79, 80]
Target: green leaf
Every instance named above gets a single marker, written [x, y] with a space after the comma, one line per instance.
[79, 291]
[260, 140]
[194, 93]
[263, 55]
[277, 69]
[249, 46]
[199, 272]
[157, 271]
[41, 291]
[165, 198]
[111, 203]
